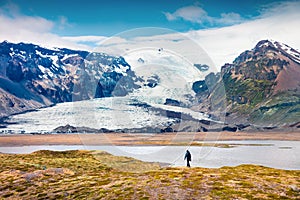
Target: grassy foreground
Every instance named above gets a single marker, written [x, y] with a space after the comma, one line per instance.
[99, 175]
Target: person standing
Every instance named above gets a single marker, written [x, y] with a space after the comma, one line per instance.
[188, 158]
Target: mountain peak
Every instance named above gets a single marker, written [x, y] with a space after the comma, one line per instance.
[270, 43]
[262, 84]
[263, 43]
[278, 47]
[269, 61]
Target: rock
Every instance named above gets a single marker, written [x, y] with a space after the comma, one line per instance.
[269, 127]
[140, 60]
[173, 114]
[14, 71]
[201, 67]
[229, 129]
[167, 130]
[203, 129]
[152, 81]
[199, 87]
[65, 129]
[206, 122]
[294, 188]
[172, 102]
[9, 103]
[242, 126]
[295, 125]
[105, 130]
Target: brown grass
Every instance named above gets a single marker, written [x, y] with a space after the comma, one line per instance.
[99, 175]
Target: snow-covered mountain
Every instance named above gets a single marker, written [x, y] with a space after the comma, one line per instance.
[149, 90]
[32, 76]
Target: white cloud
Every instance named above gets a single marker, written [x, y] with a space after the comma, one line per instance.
[16, 27]
[189, 13]
[90, 38]
[198, 15]
[114, 40]
[279, 22]
[63, 22]
[229, 18]
[13, 21]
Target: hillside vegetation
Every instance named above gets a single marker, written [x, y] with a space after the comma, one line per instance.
[99, 175]
[261, 87]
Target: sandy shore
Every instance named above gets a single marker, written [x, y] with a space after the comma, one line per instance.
[141, 139]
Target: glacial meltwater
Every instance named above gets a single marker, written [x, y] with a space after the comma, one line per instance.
[270, 153]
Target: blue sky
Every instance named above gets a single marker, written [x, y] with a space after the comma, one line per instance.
[222, 28]
[109, 17]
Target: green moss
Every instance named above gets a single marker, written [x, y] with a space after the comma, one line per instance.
[85, 176]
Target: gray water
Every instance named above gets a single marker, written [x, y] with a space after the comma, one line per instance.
[275, 154]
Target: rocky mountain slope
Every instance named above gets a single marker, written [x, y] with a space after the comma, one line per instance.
[260, 87]
[32, 76]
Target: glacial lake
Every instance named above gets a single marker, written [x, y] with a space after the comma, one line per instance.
[269, 153]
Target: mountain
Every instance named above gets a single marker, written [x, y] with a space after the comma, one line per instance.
[32, 76]
[153, 98]
[261, 87]
[259, 90]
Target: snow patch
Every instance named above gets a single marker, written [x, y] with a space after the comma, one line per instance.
[163, 61]
[122, 69]
[54, 60]
[40, 54]
[42, 68]
[66, 56]
[295, 55]
[12, 54]
[46, 72]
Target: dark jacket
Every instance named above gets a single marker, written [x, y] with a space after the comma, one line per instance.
[188, 156]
